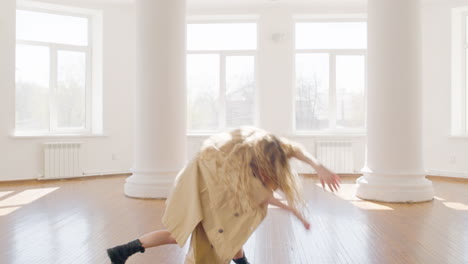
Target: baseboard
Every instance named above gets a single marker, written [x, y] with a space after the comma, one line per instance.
[448, 174]
[88, 176]
[342, 175]
[459, 177]
[84, 177]
[447, 178]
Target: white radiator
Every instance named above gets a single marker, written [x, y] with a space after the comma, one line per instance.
[62, 160]
[336, 155]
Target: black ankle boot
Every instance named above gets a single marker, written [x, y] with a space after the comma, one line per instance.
[242, 260]
[120, 254]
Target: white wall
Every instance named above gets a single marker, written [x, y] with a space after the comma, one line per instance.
[22, 158]
[444, 155]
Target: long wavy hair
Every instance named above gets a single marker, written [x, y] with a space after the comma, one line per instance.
[252, 153]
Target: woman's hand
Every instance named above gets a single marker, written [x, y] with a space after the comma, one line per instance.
[329, 178]
[325, 175]
[273, 201]
[304, 221]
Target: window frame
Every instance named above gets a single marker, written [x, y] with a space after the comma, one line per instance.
[54, 49]
[332, 54]
[222, 73]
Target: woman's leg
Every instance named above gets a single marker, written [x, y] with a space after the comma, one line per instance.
[120, 254]
[157, 238]
[239, 254]
[240, 258]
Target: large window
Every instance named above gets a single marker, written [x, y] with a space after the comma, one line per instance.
[53, 72]
[330, 76]
[221, 75]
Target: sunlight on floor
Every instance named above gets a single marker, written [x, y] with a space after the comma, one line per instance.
[456, 206]
[26, 197]
[347, 192]
[11, 203]
[5, 193]
[7, 210]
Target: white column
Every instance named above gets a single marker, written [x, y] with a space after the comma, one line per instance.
[394, 168]
[160, 136]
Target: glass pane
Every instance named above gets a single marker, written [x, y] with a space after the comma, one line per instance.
[46, 27]
[240, 90]
[70, 97]
[331, 35]
[312, 99]
[350, 86]
[32, 88]
[225, 36]
[203, 91]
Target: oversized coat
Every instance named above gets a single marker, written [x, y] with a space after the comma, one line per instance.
[199, 207]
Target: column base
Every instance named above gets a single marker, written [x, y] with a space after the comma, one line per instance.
[155, 185]
[399, 188]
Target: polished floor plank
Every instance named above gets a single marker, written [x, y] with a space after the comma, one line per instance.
[74, 221]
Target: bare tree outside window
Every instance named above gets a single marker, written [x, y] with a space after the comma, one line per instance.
[330, 76]
[52, 65]
[221, 75]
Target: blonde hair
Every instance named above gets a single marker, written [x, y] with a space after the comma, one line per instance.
[250, 153]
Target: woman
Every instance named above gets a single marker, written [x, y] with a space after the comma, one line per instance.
[222, 196]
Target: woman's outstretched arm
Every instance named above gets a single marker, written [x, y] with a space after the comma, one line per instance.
[273, 201]
[325, 175]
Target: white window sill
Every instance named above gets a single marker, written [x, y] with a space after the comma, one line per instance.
[204, 135]
[26, 136]
[329, 134]
[295, 134]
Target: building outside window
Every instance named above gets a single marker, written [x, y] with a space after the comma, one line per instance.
[53, 72]
[330, 76]
[221, 77]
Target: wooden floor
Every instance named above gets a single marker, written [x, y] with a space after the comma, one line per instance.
[74, 221]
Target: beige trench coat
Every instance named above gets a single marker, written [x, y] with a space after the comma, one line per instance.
[218, 232]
